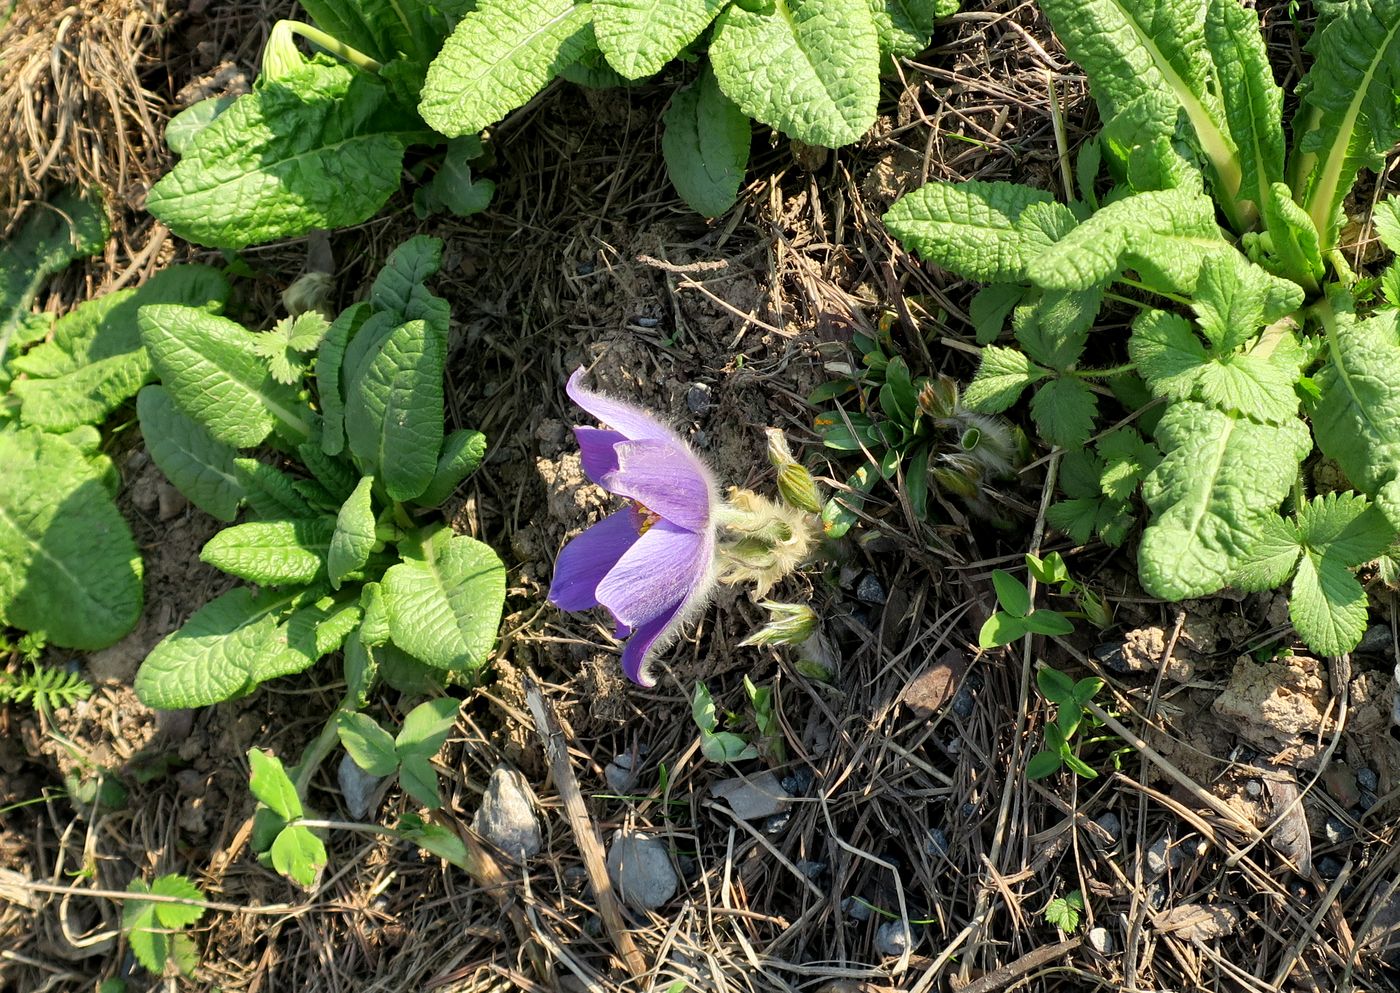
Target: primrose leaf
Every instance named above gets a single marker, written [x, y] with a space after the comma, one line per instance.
[810, 68]
[53, 235]
[640, 36]
[462, 453]
[500, 55]
[329, 390]
[1297, 248]
[1253, 102]
[68, 564]
[354, 536]
[394, 410]
[1357, 420]
[182, 129]
[1348, 118]
[453, 188]
[444, 607]
[905, 27]
[299, 855]
[317, 148]
[224, 650]
[1386, 220]
[270, 491]
[1063, 410]
[1221, 476]
[272, 786]
[369, 745]
[1001, 378]
[214, 374]
[1147, 63]
[195, 463]
[272, 553]
[971, 228]
[400, 290]
[1163, 234]
[706, 145]
[95, 362]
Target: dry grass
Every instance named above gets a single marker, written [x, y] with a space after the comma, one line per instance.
[587, 257]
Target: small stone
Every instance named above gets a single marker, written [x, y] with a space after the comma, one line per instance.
[1342, 784]
[698, 399]
[1366, 801]
[964, 703]
[506, 817]
[620, 773]
[953, 746]
[648, 322]
[1329, 867]
[754, 797]
[856, 910]
[1100, 940]
[1110, 823]
[812, 870]
[1163, 855]
[798, 782]
[870, 590]
[640, 869]
[357, 787]
[1377, 640]
[1254, 788]
[936, 842]
[172, 502]
[778, 823]
[1337, 831]
[892, 938]
[1110, 655]
[1368, 780]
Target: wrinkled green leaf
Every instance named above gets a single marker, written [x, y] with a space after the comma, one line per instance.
[272, 553]
[971, 228]
[706, 146]
[354, 536]
[640, 36]
[393, 412]
[196, 464]
[444, 607]
[462, 453]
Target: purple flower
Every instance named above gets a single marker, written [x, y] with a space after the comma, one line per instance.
[652, 563]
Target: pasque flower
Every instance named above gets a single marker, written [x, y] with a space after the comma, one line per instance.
[651, 564]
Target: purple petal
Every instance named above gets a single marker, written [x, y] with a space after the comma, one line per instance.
[634, 653]
[662, 570]
[666, 478]
[620, 416]
[584, 561]
[595, 446]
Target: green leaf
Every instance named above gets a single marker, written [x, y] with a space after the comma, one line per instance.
[354, 536]
[384, 29]
[1042, 765]
[436, 838]
[225, 650]
[272, 553]
[299, 855]
[1127, 458]
[1146, 64]
[1233, 299]
[182, 129]
[285, 345]
[1327, 607]
[400, 290]
[702, 708]
[369, 745]
[810, 68]
[215, 375]
[1063, 410]
[1253, 102]
[1348, 118]
[425, 730]
[394, 409]
[1165, 235]
[1063, 912]
[1270, 559]
[1386, 220]
[1012, 594]
[1053, 326]
[270, 491]
[971, 228]
[1001, 629]
[329, 389]
[1220, 477]
[706, 145]
[726, 746]
[640, 36]
[444, 607]
[1050, 570]
[198, 466]
[1297, 249]
[321, 147]
[500, 55]
[68, 564]
[991, 307]
[1357, 421]
[905, 27]
[53, 235]
[453, 188]
[1002, 376]
[1049, 622]
[1078, 766]
[1055, 686]
[462, 454]
[272, 786]
[150, 946]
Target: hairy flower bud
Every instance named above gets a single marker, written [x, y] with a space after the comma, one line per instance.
[788, 624]
[795, 484]
[939, 397]
[761, 541]
[308, 292]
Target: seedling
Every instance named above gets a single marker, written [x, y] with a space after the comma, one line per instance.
[717, 745]
[155, 930]
[1015, 619]
[1070, 697]
[1064, 912]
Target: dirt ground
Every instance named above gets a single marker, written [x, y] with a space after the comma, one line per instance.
[911, 853]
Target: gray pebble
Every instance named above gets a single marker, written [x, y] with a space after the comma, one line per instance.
[640, 869]
[953, 746]
[893, 937]
[856, 910]
[1100, 940]
[1367, 801]
[1329, 867]
[812, 870]
[698, 399]
[357, 787]
[1368, 780]
[798, 782]
[1110, 823]
[506, 817]
[963, 702]
[936, 842]
[1254, 787]
[648, 322]
[1163, 855]
[1110, 655]
[1336, 831]
[621, 773]
[753, 797]
[778, 823]
[1376, 641]
[870, 590]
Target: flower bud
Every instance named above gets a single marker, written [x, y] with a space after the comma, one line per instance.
[816, 659]
[956, 478]
[939, 397]
[795, 484]
[1096, 609]
[788, 624]
[281, 56]
[308, 292]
